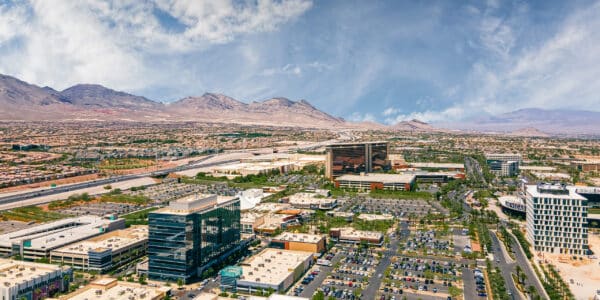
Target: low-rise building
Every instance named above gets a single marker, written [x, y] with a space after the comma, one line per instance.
[104, 252]
[438, 166]
[273, 268]
[504, 164]
[29, 280]
[375, 217]
[38, 241]
[109, 288]
[312, 201]
[299, 242]
[379, 181]
[351, 235]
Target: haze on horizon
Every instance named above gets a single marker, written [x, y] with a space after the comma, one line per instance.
[386, 61]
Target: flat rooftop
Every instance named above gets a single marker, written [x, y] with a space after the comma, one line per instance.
[437, 165]
[571, 192]
[272, 266]
[356, 143]
[195, 203]
[58, 233]
[13, 272]
[347, 232]
[114, 240]
[108, 288]
[299, 237]
[379, 177]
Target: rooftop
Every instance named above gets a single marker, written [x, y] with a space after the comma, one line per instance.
[437, 165]
[299, 237]
[58, 233]
[272, 266]
[379, 177]
[554, 191]
[13, 272]
[195, 203]
[108, 288]
[113, 240]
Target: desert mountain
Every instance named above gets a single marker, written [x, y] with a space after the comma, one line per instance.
[529, 132]
[547, 121]
[413, 125]
[20, 100]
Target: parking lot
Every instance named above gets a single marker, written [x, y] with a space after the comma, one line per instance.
[395, 207]
[415, 278]
[101, 209]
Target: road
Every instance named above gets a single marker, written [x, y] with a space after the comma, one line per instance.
[507, 268]
[40, 195]
[375, 281]
[522, 261]
[324, 271]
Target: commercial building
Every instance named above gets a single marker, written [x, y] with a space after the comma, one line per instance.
[29, 280]
[557, 219]
[375, 217]
[273, 268]
[351, 235]
[38, 241]
[299, 242]
[392, 182]
[104, 252]
[356, 158]
[312, 201]
[438, 166]
[190, 235]
[504, 164]
[109, 288]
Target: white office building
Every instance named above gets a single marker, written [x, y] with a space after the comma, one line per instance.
[557, 219]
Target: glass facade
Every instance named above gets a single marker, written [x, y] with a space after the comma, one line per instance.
[356, 158]
[178, 244]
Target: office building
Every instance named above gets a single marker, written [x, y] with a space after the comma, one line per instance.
[299, 242]
[356, 158]
[557, 219]
[104, 252]
[503, 164]
[368, 182]
[190, 235]
[38, 241]
[109, 288]
[273, 268]
[29, 280]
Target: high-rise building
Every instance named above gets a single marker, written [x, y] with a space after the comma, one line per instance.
[557, 219]
[190, 235]
[356, 158]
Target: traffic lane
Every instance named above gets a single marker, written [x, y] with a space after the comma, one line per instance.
[522, 260]
[469, 286]
[312, 287]
[377, 278]
[505, 267]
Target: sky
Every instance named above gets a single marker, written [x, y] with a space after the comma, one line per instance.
[384, 61]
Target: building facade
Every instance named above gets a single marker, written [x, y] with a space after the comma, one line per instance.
[504, 164]
[299, 242]
[190, 235]
[557, 219]
[369, 182]
[356, 158]
[29, 280]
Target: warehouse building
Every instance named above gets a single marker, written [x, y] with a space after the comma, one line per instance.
[273, 268]
[104, 252]
[109, 288]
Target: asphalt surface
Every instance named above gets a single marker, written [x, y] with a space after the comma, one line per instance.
[522, 260]
[375, 281]
[507, 268]
[78, 186]
[312, 287]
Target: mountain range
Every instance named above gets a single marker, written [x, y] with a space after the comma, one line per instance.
[21, 101]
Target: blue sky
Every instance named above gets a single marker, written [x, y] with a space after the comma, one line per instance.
[384, 61]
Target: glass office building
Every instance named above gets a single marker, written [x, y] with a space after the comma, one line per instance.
[183, 240]
[356, 158]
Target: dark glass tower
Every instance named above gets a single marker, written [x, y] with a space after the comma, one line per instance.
[183, 240]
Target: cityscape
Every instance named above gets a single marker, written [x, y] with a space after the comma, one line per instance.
[391, 182]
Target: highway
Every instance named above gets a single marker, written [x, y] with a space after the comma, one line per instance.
[111, 180]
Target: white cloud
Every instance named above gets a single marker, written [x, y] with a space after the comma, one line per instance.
[391, 111]
[453, 113]
[115, 43]
[360, 117]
